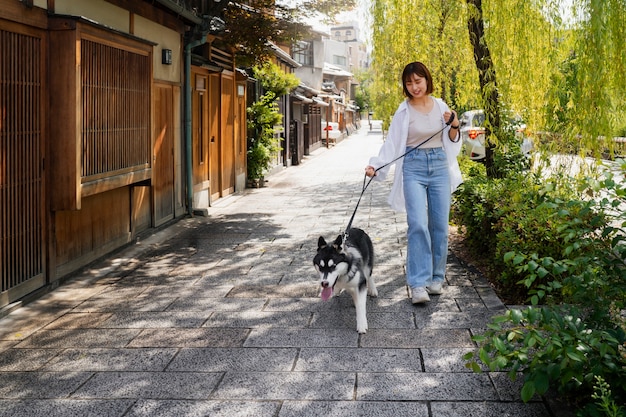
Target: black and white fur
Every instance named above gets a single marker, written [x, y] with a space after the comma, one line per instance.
[347, 264]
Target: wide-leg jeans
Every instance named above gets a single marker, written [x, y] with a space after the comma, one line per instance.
[427, 195]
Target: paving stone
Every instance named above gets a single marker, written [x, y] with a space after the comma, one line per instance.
[403, 304]
[100, 360]
[79, 321]
[296, 304]
[286, 386]
[274, 291]
[6, 344]
[487, 409]
[302, 338]
[454, 320]
[121, 291]
[420, 338]
[26, 359]
[424, 386]
[254, 319]
[235, 279]
[445, 359]
[233, 359]
[23, 322]
[359, 360]
[170, 319]
[149, 385]
[509, 390]
[204, 337]
[80, 338]
[489, 297]
[111, 305]
[217, 304]
[64, 408]
[347, 319]
[352, 408]
[188, 290]
[178, 408]
[40, 384]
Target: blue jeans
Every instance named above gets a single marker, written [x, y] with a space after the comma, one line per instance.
[427, 195]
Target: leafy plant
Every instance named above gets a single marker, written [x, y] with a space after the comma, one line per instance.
[575, 329]
[551, 346]
[604, 401]
[264, 117]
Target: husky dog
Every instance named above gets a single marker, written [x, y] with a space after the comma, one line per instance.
[347, 264]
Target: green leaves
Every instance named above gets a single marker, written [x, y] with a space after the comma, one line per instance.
[264, 115]
[551, 347]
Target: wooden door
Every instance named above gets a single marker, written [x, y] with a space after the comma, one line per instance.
[228, 134]
[214, 111]
[200, 133]
[163, 167]
[240, 136]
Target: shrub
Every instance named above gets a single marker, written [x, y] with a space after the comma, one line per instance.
[264, 116]
[575, 330]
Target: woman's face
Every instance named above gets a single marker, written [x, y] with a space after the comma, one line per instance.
[416, 85]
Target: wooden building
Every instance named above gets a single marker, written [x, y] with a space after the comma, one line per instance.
[102, 103]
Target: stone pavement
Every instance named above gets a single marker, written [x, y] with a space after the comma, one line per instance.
[220, 316]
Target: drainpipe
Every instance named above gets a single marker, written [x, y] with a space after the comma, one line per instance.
[188, 137]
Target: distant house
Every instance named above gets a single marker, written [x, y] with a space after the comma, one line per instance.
[329, 60]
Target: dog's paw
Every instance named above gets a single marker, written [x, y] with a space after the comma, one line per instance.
[373, 293]
[361, 331]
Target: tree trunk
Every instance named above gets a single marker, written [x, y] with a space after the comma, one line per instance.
[486, 78]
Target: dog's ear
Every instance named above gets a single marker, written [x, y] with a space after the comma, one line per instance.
[321, 243]
[337, 243]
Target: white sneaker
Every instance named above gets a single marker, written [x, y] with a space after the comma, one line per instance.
[434, 288]
[419, 295]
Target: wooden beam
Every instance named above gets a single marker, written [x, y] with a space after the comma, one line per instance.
[18, 12]
[153, 13]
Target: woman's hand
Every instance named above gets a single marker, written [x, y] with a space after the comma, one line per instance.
[455, 124]
[446, 117]
[370, 171]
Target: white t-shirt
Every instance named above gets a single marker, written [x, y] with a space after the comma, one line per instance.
[424, 125]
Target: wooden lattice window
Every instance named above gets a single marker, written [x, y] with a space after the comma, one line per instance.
[100, 111]
[21, 157]
[115, 128]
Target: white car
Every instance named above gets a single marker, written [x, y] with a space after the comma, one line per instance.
[473, 134]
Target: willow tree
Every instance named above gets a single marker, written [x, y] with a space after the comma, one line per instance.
[434, 36]
[597, 107]
[515, 47]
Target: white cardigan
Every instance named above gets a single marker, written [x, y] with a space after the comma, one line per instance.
[395, 145]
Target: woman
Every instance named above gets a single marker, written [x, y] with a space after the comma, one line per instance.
[424, 179]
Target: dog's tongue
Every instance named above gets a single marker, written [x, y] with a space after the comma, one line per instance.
[327, 293]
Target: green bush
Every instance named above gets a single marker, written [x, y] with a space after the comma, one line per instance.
[511, 213]
[552, 347]
[567, 247]
[264, 116]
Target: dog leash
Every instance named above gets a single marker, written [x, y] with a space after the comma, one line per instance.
[365, 185]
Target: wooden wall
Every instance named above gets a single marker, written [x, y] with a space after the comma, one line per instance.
[102, 225]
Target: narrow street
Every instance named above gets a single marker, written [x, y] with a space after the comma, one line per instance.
[220, 316]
